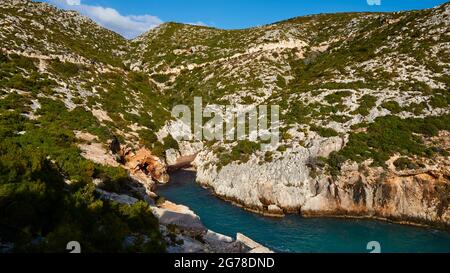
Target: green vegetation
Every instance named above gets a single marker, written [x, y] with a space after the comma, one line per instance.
[281, 82]
[366, 103]
[416, 108]
[158, 149]
[40, 212]
[340, 118]
[170, 143]
[241, 152]
[65, 69]
[298, 113]
[12, 76]
[324, 132]
[161, 78]
[389, 135]
[147, 138]
[404, 163]
[337, 97]
[392, 106]
[440, 100]
[268, 157]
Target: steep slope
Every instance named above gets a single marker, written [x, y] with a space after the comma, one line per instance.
[41, 29]
[76, 126]
[357, 88]
[364, 123]
[64, 94]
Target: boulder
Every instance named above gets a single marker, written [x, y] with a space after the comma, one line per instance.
[180, 216]
[172, 156]
[119, 198]
[250, 245]
[275, 210]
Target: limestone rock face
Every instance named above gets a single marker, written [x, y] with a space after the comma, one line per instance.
[285, 183]
[411, 197]
[68, 59]
[190, 148]
[172, 156]
[288, 185]
[326, 147]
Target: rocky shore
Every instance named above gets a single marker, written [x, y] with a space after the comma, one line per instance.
[291, 185]
[182, 229]
[185, 233]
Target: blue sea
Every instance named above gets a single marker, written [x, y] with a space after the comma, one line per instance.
[301, 235]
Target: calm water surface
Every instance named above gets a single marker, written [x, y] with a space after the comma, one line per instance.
[296, 234]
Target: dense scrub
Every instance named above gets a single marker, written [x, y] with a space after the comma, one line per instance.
[40, 211]
[389, 135]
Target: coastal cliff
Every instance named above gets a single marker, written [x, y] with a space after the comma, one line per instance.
[295, 184]
[364, 121]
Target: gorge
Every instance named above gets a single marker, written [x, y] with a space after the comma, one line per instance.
[295, 234]
[87, 136]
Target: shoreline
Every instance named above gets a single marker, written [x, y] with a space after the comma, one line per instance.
[324, 214]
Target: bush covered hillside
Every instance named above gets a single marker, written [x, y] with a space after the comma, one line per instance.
[375, 86]
[57, 79]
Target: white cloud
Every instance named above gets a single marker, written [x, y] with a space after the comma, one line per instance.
[374, 2]
[73, 2]
[129, 26]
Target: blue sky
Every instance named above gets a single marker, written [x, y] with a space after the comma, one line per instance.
[133, 17]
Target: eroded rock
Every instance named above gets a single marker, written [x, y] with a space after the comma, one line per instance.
[144, 161]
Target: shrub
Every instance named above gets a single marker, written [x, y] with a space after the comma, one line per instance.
[36, 202]
[335, 161]
[337, 97]
[160, 200]
[160, 78]
[440, 101]
[65, 69]
[324, 132]
[298, 113]
[147, 138]
[268, 157]
[247, 100]
[416, 108]
[22, 62]
[244, 147]
[3, 58]
[281, 82]
[170, 143]
[286, 136]
[241, 152]
[391, 134]
[158, 149]
[392, 106]
[404, 163]
[366, 103]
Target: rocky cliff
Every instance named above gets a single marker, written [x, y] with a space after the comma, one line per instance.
[296, 184]
[364, 119]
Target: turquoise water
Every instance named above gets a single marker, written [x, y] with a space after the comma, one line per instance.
[296, 234]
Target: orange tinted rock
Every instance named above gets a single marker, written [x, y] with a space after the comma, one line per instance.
[144, 161]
